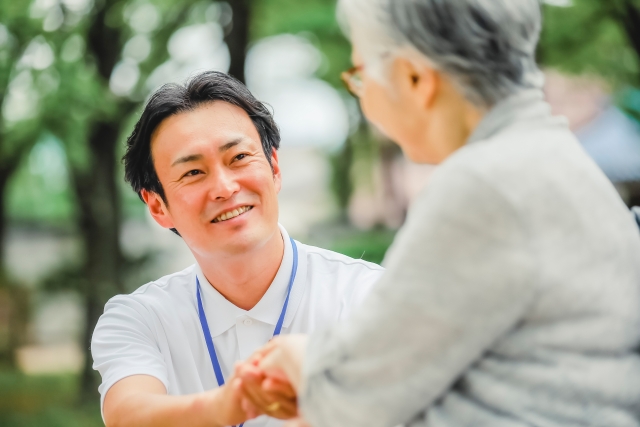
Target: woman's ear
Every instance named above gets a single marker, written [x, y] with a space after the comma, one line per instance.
[157, 208]
[418, 83]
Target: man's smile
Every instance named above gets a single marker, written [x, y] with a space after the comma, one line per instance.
[225, 216]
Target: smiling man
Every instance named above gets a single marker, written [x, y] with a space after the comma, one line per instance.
[203, 158]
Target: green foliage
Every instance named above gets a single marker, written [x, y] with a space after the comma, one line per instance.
[39, 191]
[341, 182]
[17, 31]
[367, 245]
[43, 401]
[55, 416]
[314, 18]
[77, 98]
[589, 38]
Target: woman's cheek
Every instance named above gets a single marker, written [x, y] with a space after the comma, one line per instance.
[379, 108]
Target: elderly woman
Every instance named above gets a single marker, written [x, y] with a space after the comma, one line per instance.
[512, 293]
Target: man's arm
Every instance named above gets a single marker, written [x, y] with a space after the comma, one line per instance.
[134, 376]
[141, 400]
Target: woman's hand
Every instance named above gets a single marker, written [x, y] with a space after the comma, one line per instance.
[264, 395]
[282, 358]
[271, 377]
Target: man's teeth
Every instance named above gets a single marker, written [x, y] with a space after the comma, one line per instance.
[232, 214]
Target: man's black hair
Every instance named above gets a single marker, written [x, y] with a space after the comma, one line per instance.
[172, 99]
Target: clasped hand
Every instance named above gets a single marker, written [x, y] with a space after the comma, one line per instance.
[269, 381]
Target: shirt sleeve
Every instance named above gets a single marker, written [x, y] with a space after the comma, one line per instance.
[459, 276]
[124, 344]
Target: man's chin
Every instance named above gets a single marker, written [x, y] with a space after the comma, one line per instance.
[241, 246]
[246, 240]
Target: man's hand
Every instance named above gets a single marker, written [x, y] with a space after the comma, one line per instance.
[228, 403]
[264, 395]
[297, 422]
[271, 377]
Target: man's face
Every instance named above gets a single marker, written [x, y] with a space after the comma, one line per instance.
[220, 189]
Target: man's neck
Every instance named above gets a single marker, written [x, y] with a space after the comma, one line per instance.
[243, 279]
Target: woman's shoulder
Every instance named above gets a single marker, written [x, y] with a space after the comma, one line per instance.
[542, 177]
[520, 149]
[524, 163]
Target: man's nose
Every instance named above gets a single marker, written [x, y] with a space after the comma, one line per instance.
[223, 185]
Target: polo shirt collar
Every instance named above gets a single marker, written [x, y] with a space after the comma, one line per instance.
[222, 314]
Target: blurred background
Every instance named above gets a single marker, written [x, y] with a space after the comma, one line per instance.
[74, 75]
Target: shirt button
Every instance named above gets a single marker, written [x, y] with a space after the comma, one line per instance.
[247, 322]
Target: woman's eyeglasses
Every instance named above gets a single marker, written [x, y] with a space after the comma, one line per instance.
[352, 79]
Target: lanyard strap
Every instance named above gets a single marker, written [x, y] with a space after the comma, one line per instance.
[205, 324]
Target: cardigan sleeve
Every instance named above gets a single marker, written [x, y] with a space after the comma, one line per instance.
[459, 276]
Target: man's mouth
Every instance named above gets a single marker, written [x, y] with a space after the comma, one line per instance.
[232, 214]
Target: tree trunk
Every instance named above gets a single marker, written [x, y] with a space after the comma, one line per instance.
[97, 195]
[96, 189]
[7, 307]
[5, 174]
[632, 25]
[630, 20]
[238, 38]
[341, 179]
[15, 312]
[99, 221]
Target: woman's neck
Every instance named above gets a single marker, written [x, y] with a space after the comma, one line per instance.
[244, 278]
[463, 119]
[451, 121]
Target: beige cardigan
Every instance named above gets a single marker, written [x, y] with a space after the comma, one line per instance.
[511, 296]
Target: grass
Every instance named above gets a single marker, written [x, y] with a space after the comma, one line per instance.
[43, 401]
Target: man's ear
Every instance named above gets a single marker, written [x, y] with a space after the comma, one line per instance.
[157, 208]
[277, 176]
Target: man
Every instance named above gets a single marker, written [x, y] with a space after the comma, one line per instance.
[203, 158]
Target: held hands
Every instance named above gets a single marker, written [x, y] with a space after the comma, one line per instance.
[270, 379]
[265, 395]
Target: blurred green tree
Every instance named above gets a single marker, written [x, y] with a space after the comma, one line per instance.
[77, 98]
[91, 113]
[316, 20]
[24, 84]
[593, 37]
[19, 67]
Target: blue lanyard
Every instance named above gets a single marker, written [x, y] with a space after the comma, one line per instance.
[205, 324]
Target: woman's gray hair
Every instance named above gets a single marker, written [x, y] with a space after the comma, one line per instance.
[487, 47]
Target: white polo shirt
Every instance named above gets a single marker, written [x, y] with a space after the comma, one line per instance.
[156, 330]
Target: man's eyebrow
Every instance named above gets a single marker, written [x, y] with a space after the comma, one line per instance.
[196, 157]
[230, 144]
[187, 159]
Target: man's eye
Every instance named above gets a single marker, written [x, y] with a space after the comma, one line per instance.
[192, 173]
[240, 157]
